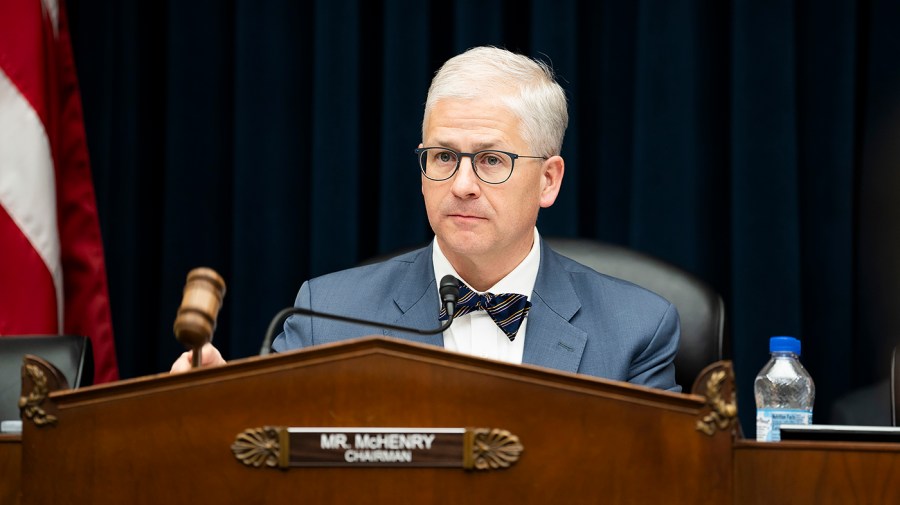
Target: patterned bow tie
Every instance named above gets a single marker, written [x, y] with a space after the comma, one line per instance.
[506, 309]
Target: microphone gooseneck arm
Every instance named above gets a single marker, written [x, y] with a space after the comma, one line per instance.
[449, 291]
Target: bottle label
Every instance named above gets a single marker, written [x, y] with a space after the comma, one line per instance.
[769, 421]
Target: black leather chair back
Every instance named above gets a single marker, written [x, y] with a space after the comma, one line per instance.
[895, 386]
[701, 309]
[71, 354]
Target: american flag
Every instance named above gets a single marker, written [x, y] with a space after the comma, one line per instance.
[52, 272]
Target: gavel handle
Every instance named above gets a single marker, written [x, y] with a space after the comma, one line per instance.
[197, 357]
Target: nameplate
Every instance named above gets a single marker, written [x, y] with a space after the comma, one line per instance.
[467, 448]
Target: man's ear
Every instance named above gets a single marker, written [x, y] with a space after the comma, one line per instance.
[551, 180]
[421, 145]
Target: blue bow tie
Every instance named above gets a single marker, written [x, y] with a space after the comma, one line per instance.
[506, 309]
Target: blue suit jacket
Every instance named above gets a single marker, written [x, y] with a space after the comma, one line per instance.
[580, 321]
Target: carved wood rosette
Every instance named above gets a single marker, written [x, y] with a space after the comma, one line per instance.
[39, 378]
[258, 447]
[716, 384]
[490, 449]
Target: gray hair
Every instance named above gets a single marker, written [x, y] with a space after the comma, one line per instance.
[525, 85]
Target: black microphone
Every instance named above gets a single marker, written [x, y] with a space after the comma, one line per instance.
[449, 291]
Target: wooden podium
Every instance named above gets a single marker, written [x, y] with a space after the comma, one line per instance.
[546, 437]
[567, 438]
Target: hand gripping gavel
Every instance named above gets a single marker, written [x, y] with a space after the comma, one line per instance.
[196, 319]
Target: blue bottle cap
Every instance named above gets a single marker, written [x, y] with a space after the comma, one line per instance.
[784, 344]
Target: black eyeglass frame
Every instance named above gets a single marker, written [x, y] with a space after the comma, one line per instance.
[461, 155]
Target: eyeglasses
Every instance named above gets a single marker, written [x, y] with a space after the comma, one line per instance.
[492, 167]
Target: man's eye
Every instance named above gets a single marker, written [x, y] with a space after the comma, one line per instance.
[445, 157]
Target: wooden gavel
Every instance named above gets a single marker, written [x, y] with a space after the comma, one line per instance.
[196, 319]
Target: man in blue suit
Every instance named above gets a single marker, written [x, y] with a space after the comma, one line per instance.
[491, 137]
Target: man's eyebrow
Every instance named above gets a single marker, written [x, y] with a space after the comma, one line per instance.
[484, 145]
[440, 143]
[480, 146]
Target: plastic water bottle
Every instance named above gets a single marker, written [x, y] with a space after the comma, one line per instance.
[783, 389]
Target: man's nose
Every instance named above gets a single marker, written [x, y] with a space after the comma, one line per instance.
[465, 182]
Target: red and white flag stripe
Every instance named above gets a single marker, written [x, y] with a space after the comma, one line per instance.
[52, 273]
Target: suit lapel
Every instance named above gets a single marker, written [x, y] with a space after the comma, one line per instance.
[416, 298]
[550, 339]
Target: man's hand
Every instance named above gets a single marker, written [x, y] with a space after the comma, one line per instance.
[209, 356]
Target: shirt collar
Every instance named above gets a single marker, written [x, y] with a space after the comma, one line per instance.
[520, 280]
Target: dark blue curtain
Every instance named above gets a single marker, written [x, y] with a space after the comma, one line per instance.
[750, 142]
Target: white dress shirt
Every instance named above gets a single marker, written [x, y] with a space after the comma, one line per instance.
[476, 333]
